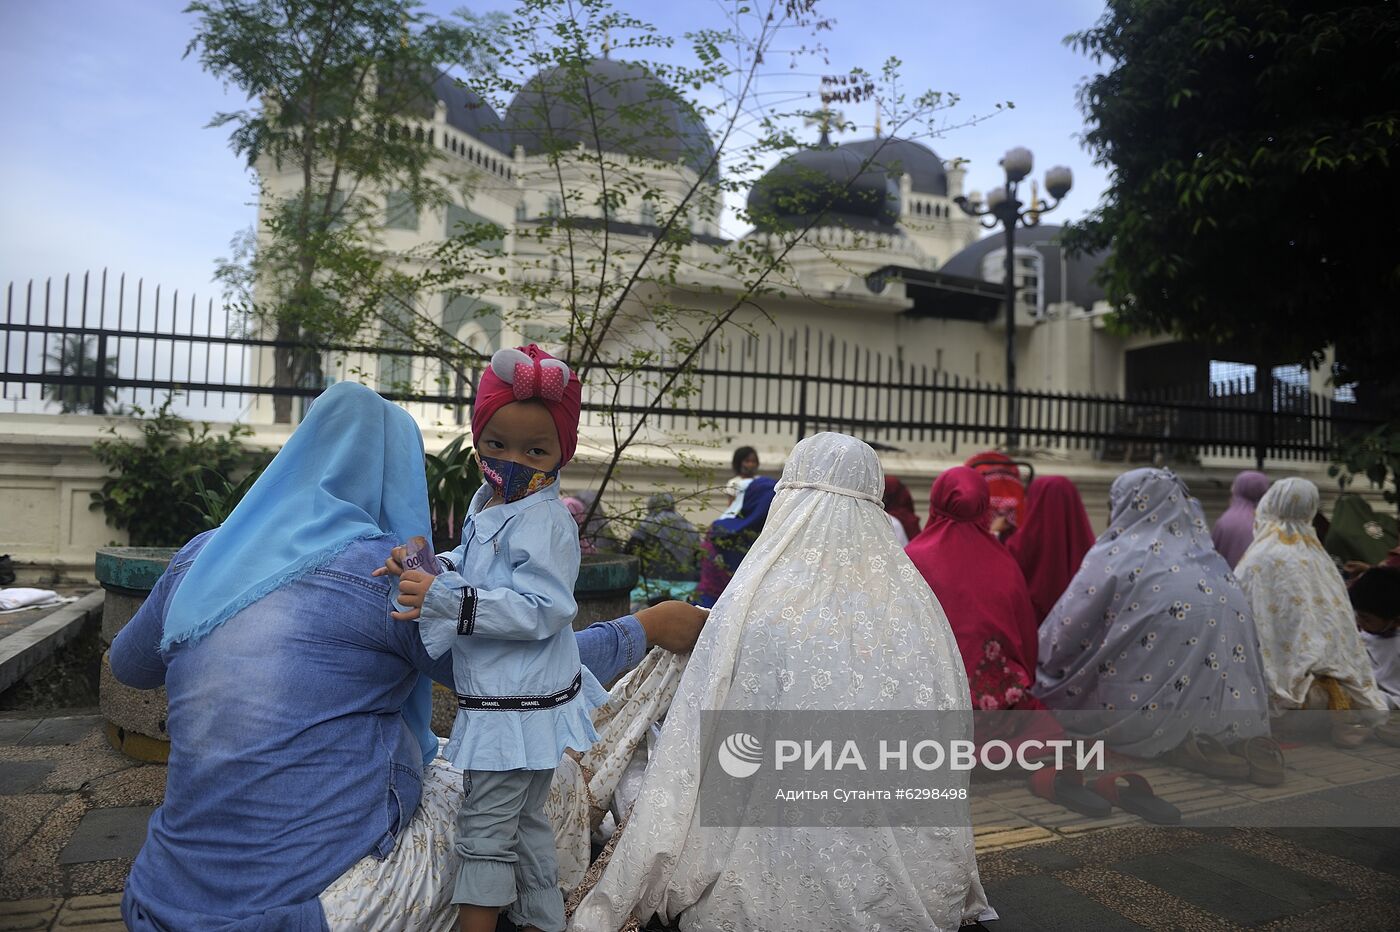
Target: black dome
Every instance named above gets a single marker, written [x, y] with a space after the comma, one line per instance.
[828, 182]
[467, 112]
[904, 157]
[638, 114]
[1076, 284]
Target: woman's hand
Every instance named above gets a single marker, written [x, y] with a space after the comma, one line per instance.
[393, 563]
[674, 626]
[413, 586]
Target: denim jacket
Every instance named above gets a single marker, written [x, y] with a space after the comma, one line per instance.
[505, 609]
[289, 758]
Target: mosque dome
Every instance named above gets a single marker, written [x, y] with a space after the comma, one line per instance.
[905, 157]
[1063, 277]
[825, 181]
[639, 114]
[468, 112]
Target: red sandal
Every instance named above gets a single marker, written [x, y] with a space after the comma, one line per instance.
[1067, 788]
[1132, 793]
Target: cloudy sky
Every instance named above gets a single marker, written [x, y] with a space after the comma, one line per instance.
[107, 161]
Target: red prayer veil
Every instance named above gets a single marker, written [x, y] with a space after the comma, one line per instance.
[984, 596]
[1052, 542]
[1008, 490]
[980, 588]
[900, 503]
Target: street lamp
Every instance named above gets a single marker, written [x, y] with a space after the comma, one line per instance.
[1003, 208]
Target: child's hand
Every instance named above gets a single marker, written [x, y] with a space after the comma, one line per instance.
[393, 563]
[413, 586]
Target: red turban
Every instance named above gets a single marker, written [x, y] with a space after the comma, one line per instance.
[531, 374]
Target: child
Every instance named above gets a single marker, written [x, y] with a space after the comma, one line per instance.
[504, 605]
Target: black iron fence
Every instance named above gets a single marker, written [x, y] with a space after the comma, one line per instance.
[103, 346]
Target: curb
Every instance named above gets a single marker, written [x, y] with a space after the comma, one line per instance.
[26, 649]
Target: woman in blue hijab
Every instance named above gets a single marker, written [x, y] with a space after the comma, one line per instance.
[298, 707]
[729, 539]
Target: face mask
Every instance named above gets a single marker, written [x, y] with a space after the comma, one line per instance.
[513, 481]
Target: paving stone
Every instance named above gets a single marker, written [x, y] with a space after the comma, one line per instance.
[107, 834]
[1233, 885]
[1378, 849]
[56, 731]
[1034, 902]
[12, 730]
[21, 776]
[99, 913]
[23, 915]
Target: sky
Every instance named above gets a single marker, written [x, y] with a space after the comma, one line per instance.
[107, 161]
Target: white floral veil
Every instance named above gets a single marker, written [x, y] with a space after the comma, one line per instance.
[825, 612]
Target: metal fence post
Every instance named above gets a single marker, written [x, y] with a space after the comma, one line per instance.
[802, 407]
[99, 382]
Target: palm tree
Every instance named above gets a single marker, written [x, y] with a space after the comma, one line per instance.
[77, 357]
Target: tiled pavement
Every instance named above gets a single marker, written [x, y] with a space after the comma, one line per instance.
[73, 812]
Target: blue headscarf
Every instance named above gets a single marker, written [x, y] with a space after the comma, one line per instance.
[732, 537]
[352, 470]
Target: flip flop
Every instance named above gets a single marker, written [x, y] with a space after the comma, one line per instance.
[1135, 795]
[1067, 788]
[1265, 759]
[1204, 754]
[1389, 733]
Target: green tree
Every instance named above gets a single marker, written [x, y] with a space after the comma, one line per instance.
[331, 82]
[1247, 140]
[77, 357]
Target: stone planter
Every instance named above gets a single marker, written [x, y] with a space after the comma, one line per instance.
[135, 717]
[603, 592]
[604, 587]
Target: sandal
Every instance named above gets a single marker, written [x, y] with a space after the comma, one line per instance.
[1265, 759]
[1066, 787]
[1389, 733]
[1349, 734]
[1204, 754]
[1132, 793]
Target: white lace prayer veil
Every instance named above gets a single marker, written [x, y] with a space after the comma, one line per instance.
[825, 612]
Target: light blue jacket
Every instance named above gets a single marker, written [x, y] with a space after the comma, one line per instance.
[505, 608]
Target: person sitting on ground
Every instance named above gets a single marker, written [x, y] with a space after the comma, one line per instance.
[825, 613]
[296, 797]
[579, 511]
[729, 539]
[1313, 655]
[899, 505]
[1234, 531]
[981, 588]
[1008, 491]
[745, 465]
[1153, 643]
[1375, 598]
[668, 547]
[1052, 541]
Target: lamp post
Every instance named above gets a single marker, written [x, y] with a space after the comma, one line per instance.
[1002, 207]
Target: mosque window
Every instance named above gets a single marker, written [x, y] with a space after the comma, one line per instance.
[1029, 269]
[648, 214]
[461, 220]
[399, 212]
[395, 370]
[553, 205]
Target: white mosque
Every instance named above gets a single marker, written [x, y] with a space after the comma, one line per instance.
[892, 266]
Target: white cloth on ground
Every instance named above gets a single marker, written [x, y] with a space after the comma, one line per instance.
[19, 598]
[825, 612]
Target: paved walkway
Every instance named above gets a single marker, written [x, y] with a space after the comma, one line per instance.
[73, 815]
